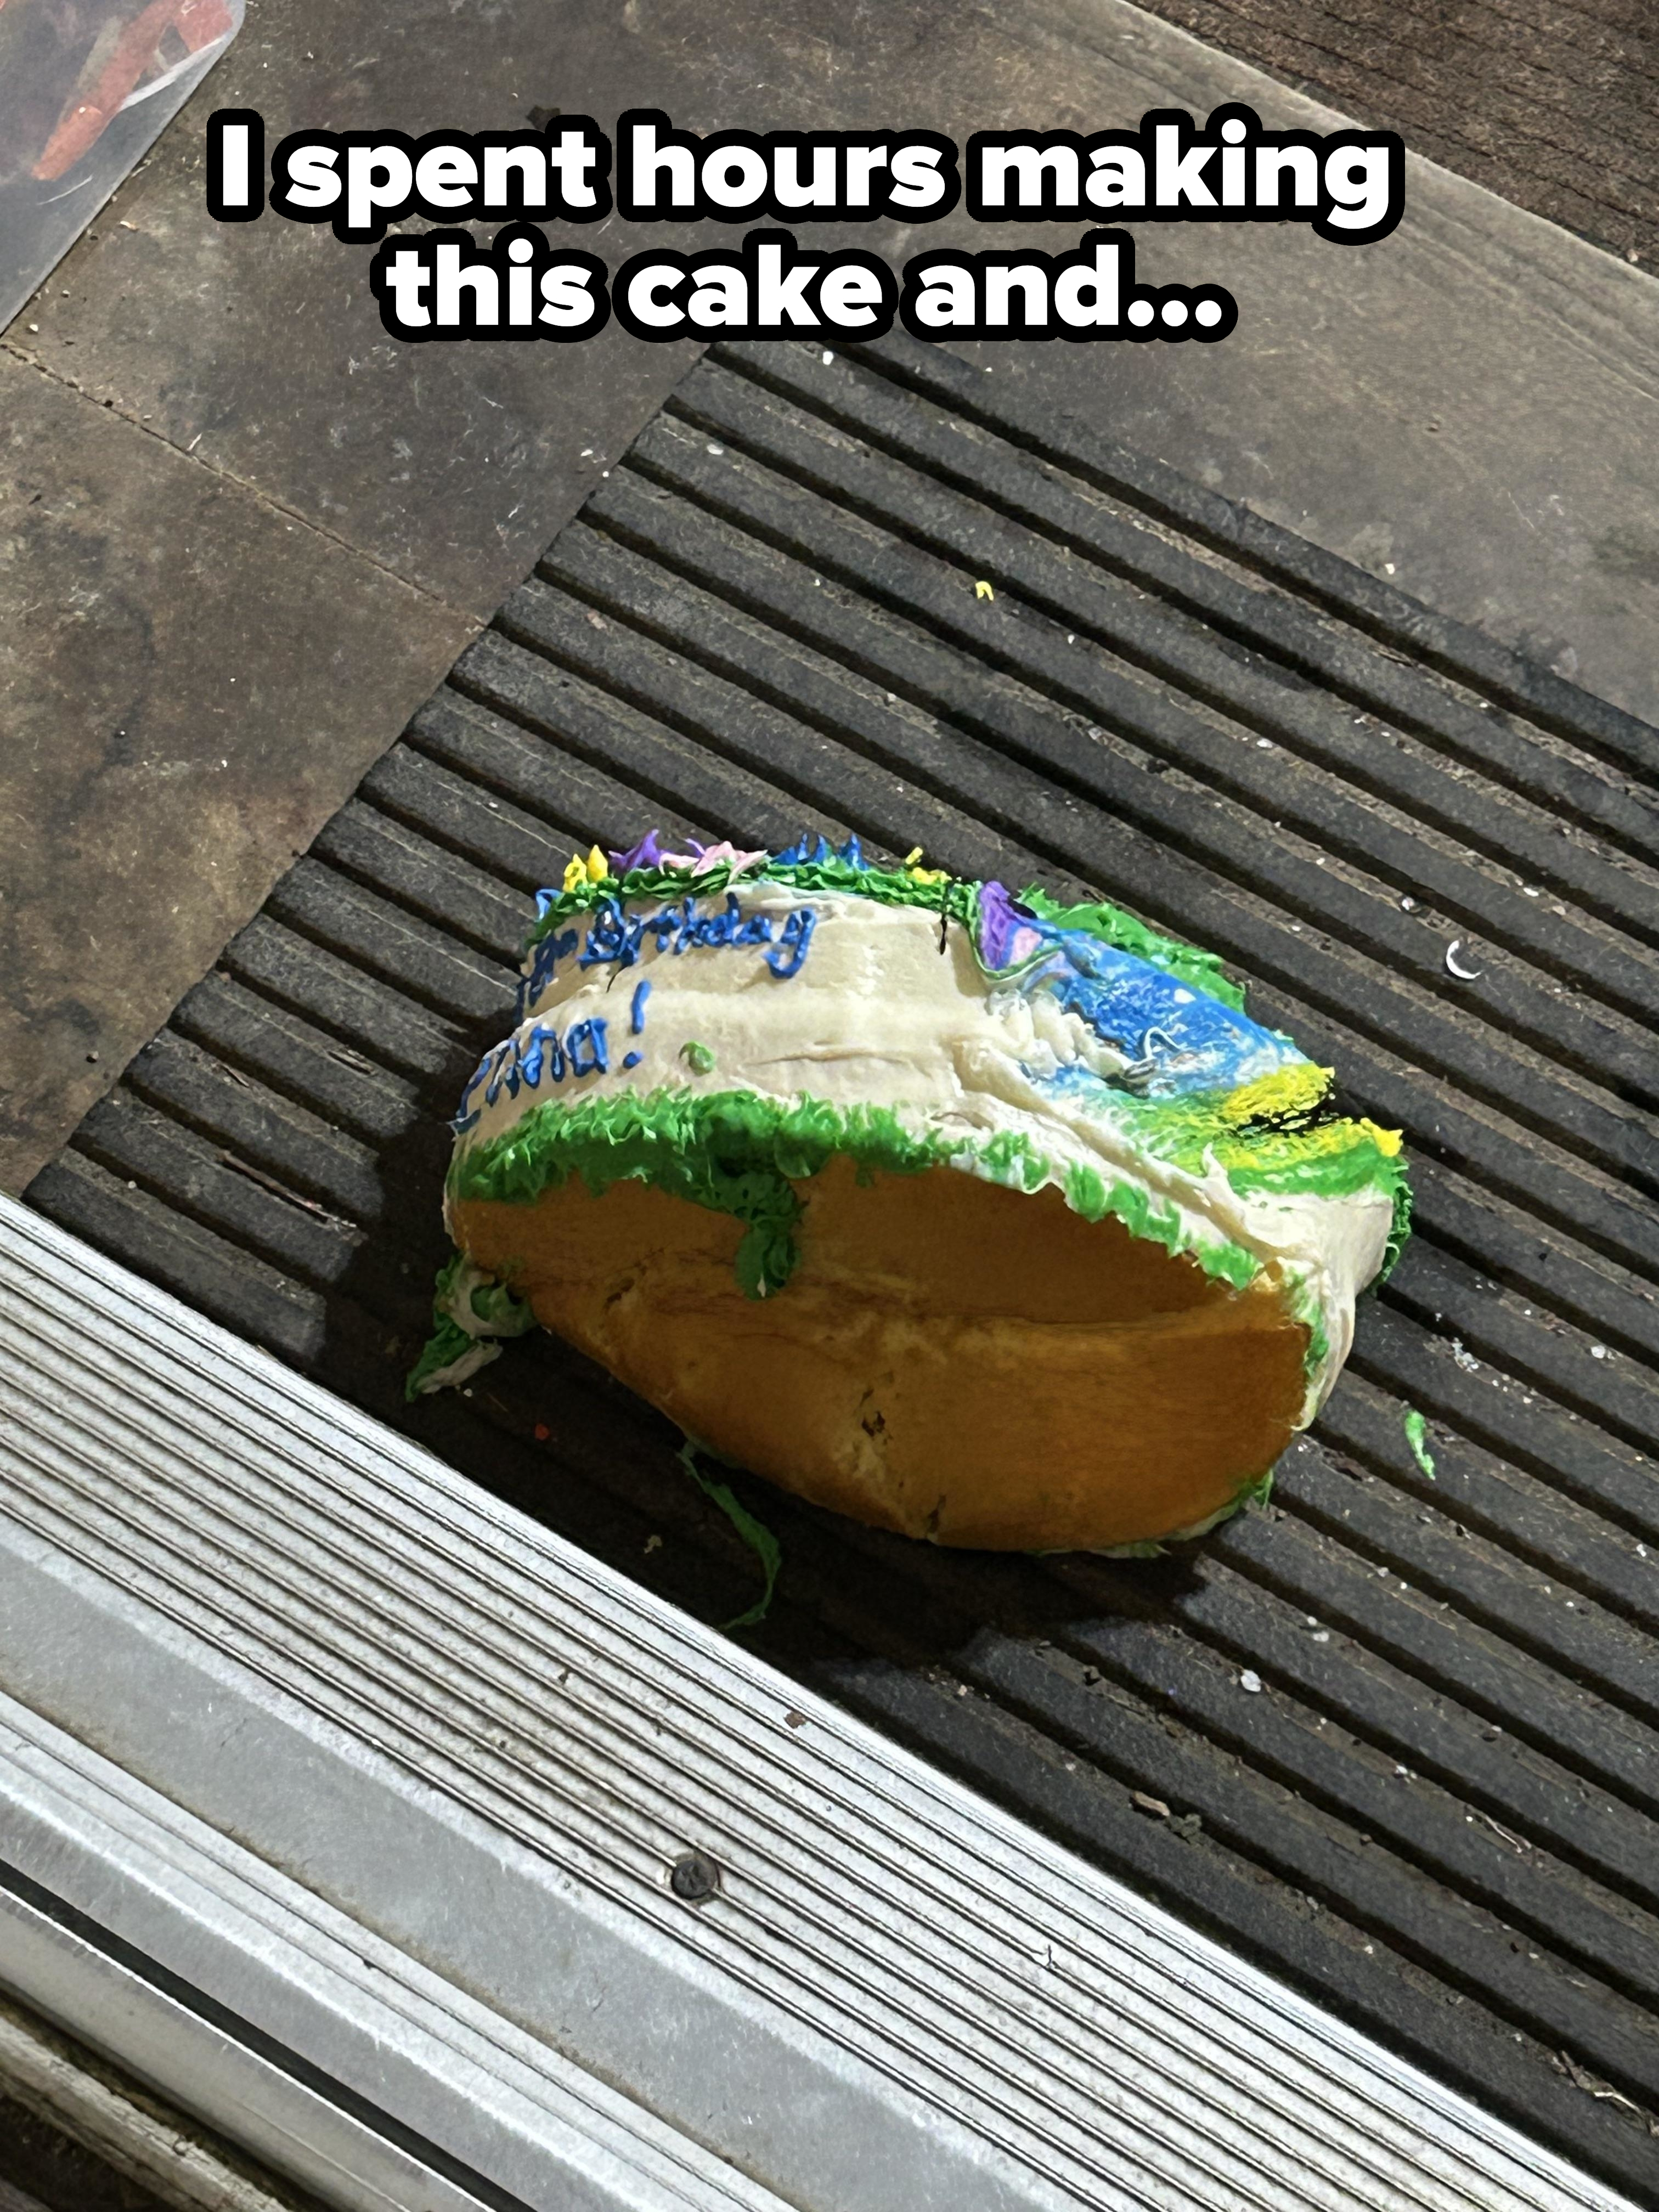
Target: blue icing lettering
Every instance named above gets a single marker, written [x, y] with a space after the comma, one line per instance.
[637, 1013]
[721, 928]
[522, 1061]
[589, 1037]
[556, 945]
[612, 935]
[796, 936]
[615, 937]
[542, 1044]
[503, 1073]
[633, 1059]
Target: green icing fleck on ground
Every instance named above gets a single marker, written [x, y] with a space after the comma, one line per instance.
[1417, 1435]
[755, 1534]
[469, 1309]
[736, 1152]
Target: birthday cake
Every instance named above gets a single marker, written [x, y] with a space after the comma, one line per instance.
[973, 1215]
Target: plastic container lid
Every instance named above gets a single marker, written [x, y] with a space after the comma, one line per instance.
[86, 88]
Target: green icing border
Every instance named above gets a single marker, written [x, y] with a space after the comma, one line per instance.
[1304, 1306]
[738, 1152]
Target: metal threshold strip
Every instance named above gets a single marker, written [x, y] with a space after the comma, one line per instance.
[341, 1804]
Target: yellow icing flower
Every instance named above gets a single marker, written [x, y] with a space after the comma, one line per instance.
[592, 869]
[1388, 1141]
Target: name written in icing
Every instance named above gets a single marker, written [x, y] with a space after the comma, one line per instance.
[615, 935]
[522, 1062]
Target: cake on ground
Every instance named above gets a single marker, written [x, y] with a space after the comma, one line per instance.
[977, 1217]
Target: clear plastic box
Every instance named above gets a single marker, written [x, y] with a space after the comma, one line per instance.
[85, 87]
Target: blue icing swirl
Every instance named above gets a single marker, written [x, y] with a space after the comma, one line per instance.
[1175, 1039]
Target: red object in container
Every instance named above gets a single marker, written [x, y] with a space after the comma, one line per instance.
[199, 23]
[85, 88]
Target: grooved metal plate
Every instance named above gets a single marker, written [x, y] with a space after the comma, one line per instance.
[454, 1972]
[1437, 1812]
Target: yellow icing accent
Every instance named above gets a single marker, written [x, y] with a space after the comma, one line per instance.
[1287, 1090]
[982, 590]
[575, 874]
[928, 876]
[913, 856]
[597, 866]
[1273, 1149]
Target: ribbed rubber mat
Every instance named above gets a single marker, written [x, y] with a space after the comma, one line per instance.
[1397, 1737]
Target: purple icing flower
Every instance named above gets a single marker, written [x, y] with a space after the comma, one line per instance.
[647, 854]
[700, 860]
[1005, 932]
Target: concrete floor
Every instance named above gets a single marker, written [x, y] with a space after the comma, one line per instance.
[1548, 105]
[242, 534]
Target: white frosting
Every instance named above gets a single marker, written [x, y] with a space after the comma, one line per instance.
[877, 1014]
